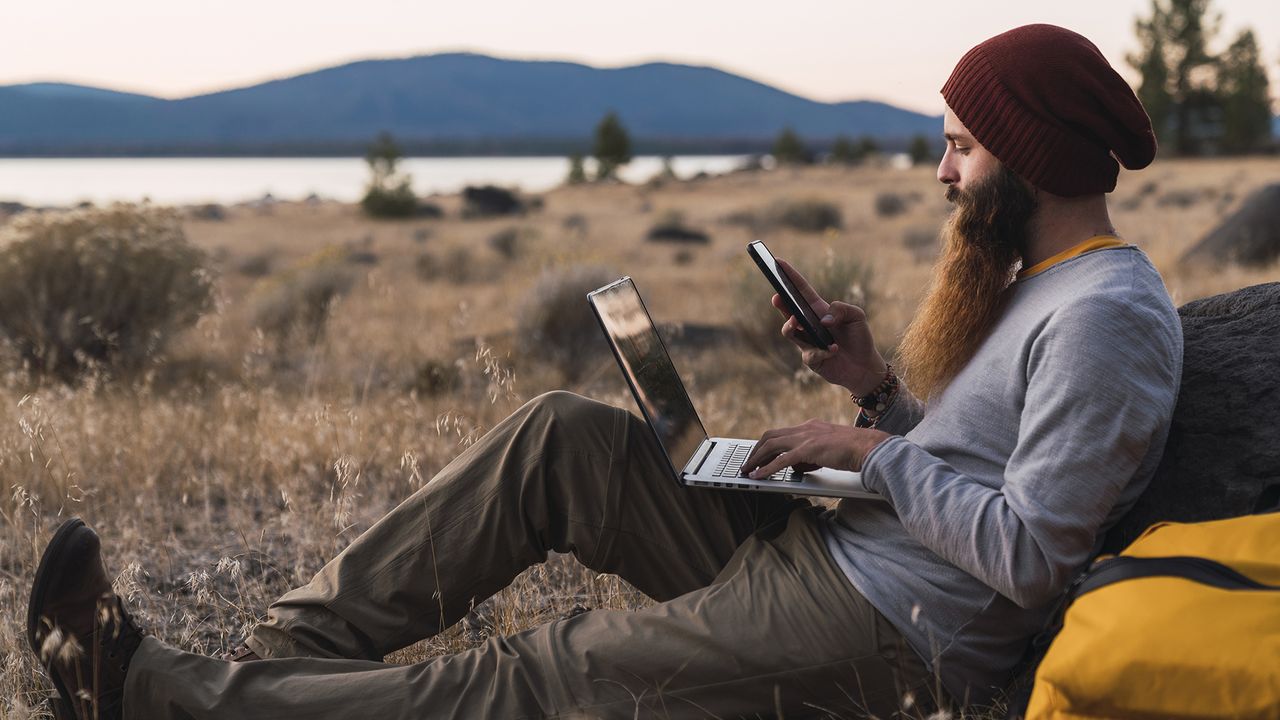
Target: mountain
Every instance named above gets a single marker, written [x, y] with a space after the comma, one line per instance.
[444, 100]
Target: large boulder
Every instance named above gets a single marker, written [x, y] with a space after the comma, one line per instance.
[1224, 445]
[1250, 237]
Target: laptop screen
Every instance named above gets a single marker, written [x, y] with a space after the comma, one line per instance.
[649, 371]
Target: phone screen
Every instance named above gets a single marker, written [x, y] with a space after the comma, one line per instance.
[810, 323]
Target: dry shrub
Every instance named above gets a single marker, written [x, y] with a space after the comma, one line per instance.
[256, 265]
[922, 242]
[434, 377]
[1180, 198]
[811, 215]
[759, 324]
[890, 204]
[297, 303]
[457, 266]
[576, 223]
[671, 227]
[490, 201]
[100, 288]
[510, 242]
[555, 324]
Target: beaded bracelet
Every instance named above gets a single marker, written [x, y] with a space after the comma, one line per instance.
[878, 399]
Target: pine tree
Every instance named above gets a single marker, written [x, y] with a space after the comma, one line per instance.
[388, 194]
[789, 149]
[577, 173]
[920, 150]
[1152, 65]
[843, 151]
[1174, 54]
[1246, 100]
[612, 147]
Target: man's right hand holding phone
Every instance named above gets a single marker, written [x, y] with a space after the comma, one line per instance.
[852, 362]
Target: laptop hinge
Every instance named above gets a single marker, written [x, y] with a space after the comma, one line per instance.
[700, 456]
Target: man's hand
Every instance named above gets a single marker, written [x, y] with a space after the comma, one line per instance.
[810, 446]
[852, 361]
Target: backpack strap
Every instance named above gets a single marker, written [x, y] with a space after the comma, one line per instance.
[1197, 569]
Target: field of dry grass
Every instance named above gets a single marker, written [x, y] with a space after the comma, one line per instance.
[234, 470]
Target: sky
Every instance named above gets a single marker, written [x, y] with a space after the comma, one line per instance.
[898, 52]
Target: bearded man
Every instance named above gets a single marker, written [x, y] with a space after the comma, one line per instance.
[1039, 403]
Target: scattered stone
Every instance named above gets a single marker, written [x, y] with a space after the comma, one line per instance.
[1250, 237]
[489, 201]
[211, 212]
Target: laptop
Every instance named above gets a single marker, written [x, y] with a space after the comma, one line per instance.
[695, 459]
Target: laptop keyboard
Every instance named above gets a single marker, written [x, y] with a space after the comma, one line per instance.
[730, 465]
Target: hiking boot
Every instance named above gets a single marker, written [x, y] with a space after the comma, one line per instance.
[79, 627]
[242, 653]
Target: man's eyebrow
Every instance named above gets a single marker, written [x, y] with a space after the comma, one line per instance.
[954, 136]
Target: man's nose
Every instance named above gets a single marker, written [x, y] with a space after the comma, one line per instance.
[947, 174]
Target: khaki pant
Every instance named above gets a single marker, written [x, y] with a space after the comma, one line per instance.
[754, 617]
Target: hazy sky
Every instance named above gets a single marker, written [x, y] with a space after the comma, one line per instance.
[898, 51]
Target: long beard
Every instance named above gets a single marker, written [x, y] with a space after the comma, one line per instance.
[982, 240]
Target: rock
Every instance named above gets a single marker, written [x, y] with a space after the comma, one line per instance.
[1222, 451]
[490, 201]
[1250, 237]
[211, 212]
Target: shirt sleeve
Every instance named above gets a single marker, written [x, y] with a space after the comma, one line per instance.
[1102, 379]
[905, 413]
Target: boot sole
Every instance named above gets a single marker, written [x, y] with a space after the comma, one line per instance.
[52, 557]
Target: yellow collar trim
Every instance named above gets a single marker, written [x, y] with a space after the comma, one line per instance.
[1094, 243]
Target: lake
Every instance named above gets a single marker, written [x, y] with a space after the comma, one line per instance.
[67, 181]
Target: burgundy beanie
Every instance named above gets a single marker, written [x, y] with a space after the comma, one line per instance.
[1050, 107]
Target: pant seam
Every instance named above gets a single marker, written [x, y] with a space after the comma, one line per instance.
[739, 679]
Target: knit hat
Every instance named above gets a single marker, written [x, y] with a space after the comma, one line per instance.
[1050, 107]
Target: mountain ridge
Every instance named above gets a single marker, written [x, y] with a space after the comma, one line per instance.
[443, 100]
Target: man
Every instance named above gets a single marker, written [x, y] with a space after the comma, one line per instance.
[1038, 410]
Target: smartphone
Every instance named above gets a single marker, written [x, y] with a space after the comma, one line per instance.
[811, 327]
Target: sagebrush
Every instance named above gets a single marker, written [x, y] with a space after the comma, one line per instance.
[98, 288]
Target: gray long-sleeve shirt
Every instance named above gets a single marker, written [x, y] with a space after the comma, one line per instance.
[999, 491]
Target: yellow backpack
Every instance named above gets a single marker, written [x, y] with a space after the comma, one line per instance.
[1184, 623]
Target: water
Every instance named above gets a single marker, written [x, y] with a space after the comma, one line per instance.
[180, 181]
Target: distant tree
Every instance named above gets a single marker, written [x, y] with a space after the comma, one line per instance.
[668, 171]
[388, 193]
[612, 147]
[789, 149]
[843, 151]
[867, 146]
[382, 157]
[1152, 65]
[1246, 99]
[577, 173]
[920, 150]
[1175, 43]
[1200, 102]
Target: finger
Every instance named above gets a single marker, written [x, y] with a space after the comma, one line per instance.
[763, 452]
[806, 290]
[780, 462]
[771, 444]
[791, 330]
[804, 467]
[813, 354]
[782, 308]
[842, 313]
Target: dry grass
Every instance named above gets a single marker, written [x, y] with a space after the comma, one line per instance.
[236, 469]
